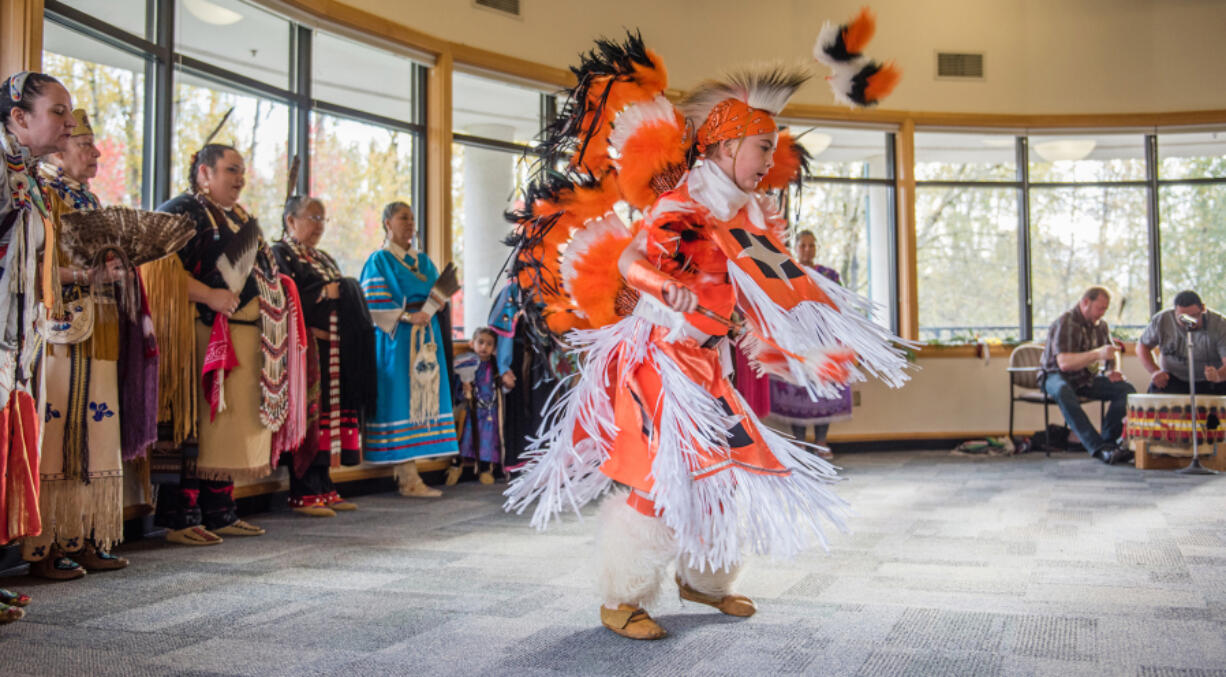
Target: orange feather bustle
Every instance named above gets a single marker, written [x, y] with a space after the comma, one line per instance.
[857, 34]
[609, 96]
[562, 321]
[881, 83]
[654, 150]
[597, 279]
[787, 160]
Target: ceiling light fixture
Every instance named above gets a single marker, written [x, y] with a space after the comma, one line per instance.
[815, 142]
[212, 13]
[1065, 150]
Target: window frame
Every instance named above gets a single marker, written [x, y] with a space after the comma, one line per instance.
[162, 62]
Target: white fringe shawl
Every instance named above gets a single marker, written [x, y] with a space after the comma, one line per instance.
[811, 329]
[715, 518]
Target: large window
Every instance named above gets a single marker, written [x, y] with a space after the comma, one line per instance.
[847, 201]
[1192, 208]
[109, 84]
[966, 222]
[364, 142]
[356, 169]
[495, 124]
[258, 128]
[1136, 213]
[157, 77]
[1088, 226]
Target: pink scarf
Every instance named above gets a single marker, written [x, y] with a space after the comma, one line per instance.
[219, 358]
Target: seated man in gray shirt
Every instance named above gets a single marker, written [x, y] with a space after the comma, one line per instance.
[1078, 342]
[1170, 335]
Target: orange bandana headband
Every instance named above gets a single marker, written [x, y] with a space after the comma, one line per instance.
[733, 119]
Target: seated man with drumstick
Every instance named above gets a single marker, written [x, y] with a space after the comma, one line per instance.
[1079, 361]
[1168, 331]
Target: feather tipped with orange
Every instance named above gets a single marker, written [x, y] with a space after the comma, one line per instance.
[649, 139]
[790, 159]
[857, 34]
[881, 83]
[597, 280]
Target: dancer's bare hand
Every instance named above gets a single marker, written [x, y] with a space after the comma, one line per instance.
[680, 298]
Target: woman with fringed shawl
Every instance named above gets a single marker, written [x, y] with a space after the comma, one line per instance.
[413, 418]
[245, 342]
[35, 120]
[342, 352]
[652, 408]
[97, 379]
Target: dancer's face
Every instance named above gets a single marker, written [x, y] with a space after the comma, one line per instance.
[224, 181]
[483, 346]
[806, 249]
[401, 228]
[746, 160]
[307, 226]
[79, 159]
[47, 127]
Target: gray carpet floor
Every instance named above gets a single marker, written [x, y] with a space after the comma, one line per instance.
[957, 566]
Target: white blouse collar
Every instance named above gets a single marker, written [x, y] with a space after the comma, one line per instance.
[400, 252]
[713, 189]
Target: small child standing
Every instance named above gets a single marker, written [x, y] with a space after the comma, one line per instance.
[481, 438]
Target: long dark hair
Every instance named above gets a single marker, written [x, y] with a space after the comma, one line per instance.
[207, 157]
[31, 90]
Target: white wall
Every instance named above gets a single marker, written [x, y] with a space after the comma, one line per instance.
[1042, 56]
[960, 396]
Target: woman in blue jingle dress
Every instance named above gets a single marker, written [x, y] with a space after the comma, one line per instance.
[413, 418]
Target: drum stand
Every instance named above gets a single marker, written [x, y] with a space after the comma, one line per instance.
[1194, 468]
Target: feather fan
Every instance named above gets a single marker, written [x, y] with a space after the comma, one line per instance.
[142, 236]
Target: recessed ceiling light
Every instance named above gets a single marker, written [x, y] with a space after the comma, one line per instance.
[212, 13]
[815, 142]
[1065, 149]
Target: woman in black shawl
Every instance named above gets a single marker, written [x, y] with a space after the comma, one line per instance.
[341, 363]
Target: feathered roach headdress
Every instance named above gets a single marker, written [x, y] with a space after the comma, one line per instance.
[745, 100]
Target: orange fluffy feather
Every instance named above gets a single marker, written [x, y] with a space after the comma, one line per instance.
[861, 29]
[881, 83]
[611, 99]
[597, 280]
[787, 164]
[652, 150]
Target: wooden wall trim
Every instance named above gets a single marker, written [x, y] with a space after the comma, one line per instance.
[1009, 121]
[350, 17]
[529, 72]
[21, 36]
[438, 160]
[342, 474]
[908, 273]
[940, 435]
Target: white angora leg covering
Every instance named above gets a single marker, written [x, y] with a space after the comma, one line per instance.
[718, 583]
[633, 553]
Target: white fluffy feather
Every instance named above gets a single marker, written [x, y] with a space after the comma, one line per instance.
[582, 241]
[639, 115]
[826, 38]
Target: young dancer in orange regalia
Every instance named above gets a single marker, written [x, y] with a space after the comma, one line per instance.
[654, 309]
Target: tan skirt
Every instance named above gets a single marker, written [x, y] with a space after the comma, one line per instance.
[235, 445]
[71, 509]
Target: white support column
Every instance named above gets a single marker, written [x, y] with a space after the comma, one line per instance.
[489, 178]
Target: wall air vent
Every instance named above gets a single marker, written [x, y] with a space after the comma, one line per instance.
[508, 7]
[959, 65]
